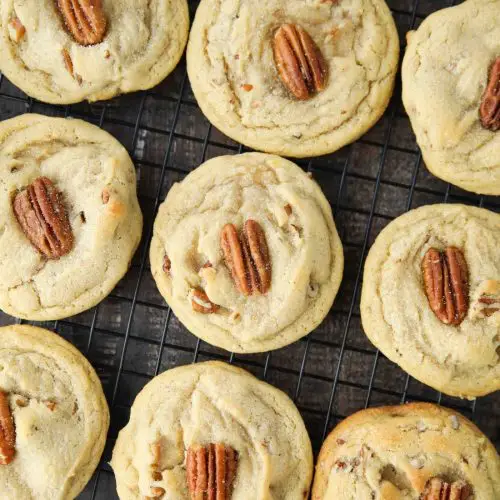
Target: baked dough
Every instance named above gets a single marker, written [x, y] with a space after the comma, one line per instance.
[60, 415]
[305, 251]
[213, 402]
[445, 73]
[234, 77]
[391, 452]
[97, 180]
[143, 43]
[459, 360]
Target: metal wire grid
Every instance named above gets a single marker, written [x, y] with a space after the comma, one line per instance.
[133, 335]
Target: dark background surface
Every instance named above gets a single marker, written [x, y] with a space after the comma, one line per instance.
[132, 335]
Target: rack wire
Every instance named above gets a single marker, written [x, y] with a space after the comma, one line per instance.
[133, 335]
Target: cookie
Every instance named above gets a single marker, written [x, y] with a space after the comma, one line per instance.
[212, 425]
[246, 252]
[53, 416]
[431, 297]
[70, 221]
[417, 451]
[293, 78]
[67, 51]
[451, 92]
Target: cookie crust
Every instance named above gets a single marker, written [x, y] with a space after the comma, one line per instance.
[459, 360]
[234, 78]
[97, 180]
[305, 251]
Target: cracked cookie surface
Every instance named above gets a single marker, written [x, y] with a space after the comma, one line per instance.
[143, 41]
[206, 403]
[234, 77]
[458, 359]
[60, 415]
[304, 251]
[445, 73]
[392, 452]
[97, 182]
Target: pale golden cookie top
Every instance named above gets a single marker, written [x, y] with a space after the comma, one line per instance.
[445, 73]
[456, 353]
[304, 261]
[233, 72]
[136, 44]
[95, 179]
[59, 413]
[394, 452]
[207, 403]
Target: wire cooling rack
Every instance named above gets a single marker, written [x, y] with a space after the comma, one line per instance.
[133, 335]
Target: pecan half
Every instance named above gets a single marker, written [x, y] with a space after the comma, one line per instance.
[439, 489]
[247, 257]
[211, 471]
[489, 111]
[41, 214]
[446, 284]
[488, 299]
[7, 431]
[201, 303]
[84, 19]
[299, 61]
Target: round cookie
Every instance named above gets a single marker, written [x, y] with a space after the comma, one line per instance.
[407, 452]
[95, 188]
[124, 45]
[234, 76]
[181, 413]
[426, 261]
[446, 69]
[300, 260]
[52, 397]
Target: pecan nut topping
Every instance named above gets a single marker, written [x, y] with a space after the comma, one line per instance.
[247, 257]
[211, 471]
[488, 300]
[84, 19]
[439, 489]
[489, 111]
[7, 431]
[299, 61]
[43, 218]
[201, 303]
[446, 284]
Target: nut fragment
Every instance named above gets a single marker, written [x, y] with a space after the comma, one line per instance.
[299, 61]
[167, 265]
[51, 405]
[7, 431]
[211, 471]
[19, 29]
[201, 303]
[105, 196]
[488, 299]
[43, 218]
[489, 111]
[68, 62]
[446, 284]
[84, 19]
[247, 257]
[439, 489]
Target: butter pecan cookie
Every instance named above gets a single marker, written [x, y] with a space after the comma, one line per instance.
[416, 451]
[451, 92]
[431, 297]
[53, 416]
[212, 429]
[293, 78]
[66, 51]
[69, 217]
[246, 252]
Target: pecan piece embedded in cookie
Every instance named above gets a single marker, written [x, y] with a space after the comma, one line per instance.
[84, 19]
[41, 214]
[489, 110]
[299, 61]
[7, 431]
[201, 303]
[211, 471]
[438, 489]
[487, 302]
[446, 284]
